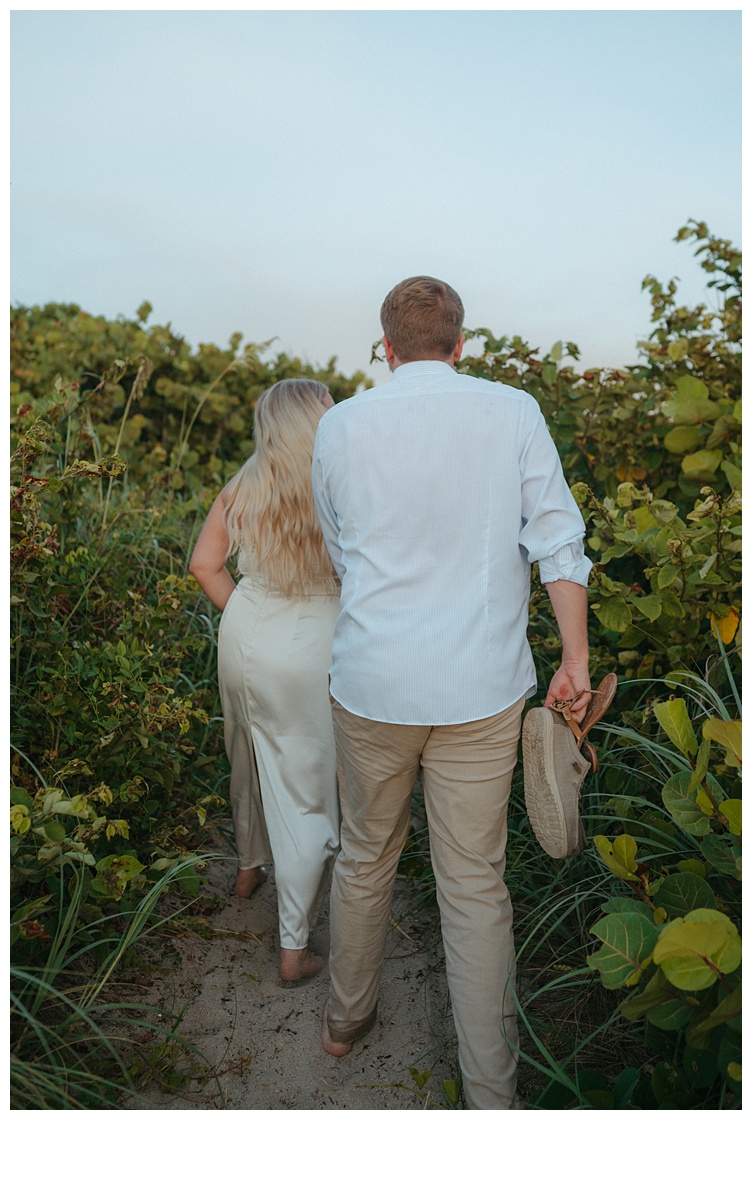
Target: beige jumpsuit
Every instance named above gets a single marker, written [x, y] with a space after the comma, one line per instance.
[273, 660]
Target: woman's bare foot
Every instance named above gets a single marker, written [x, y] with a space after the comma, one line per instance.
[336, 1049]
[248, 880]
[297, 965]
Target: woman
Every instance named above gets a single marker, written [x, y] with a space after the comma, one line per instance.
[275, 640]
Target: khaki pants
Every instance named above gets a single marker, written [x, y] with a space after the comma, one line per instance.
[467, 772]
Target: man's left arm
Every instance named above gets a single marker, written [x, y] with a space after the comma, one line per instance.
[569, 602]
[552, 535]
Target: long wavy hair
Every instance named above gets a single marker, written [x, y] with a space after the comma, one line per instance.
[269, 508]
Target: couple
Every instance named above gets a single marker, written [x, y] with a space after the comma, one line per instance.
[430, 496]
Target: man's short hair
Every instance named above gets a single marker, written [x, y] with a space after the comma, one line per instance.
[422, 318]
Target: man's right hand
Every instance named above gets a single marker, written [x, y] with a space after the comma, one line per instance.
[569, 681]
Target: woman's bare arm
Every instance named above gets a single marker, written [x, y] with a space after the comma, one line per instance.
[210, 555]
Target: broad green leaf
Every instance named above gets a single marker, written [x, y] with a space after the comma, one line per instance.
[694, 865]
[649, 606]
[680, 801]
[628, 940]
[672, 1014]
[729, 1009]
[694, 950]
[688, 388]
[732, 811]
[692, 412]
[657, 991]
[644, 518]
[114, 872]
[674, 719]
[621, 904]
[733, 474]
[620, 857]
[614, 613]
[682, 439]
[54, 831]
[724, 853]
[684, 891]
[556, 352]
[666, 575]
[701, 465]
[729, 735]
[672, 605]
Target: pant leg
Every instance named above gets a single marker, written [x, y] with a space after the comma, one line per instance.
[467, 774]
[377, 764]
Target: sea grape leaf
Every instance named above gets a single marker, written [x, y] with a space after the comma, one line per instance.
[672, 1014]
[618, 904]
[679, 802]
[729, 735]
[656, 991]
[694, 950]
[674, 720]
[729, 1010]
[628, 940]
[723, 852]
[732, 811]
[682, 438]
[703, 464]
[619, 856]
[682, 892]
[695, 865]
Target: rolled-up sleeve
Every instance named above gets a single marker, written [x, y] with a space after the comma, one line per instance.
[552, 529]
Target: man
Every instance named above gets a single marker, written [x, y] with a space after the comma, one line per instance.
[436, 491]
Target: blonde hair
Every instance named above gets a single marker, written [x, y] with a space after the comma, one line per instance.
[422, 317]
[269, 508]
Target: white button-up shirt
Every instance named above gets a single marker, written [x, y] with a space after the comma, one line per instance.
[436, 491]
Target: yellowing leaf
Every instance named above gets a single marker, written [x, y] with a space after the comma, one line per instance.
[701, 465]
[729, 735]
[732, 811]
[621, 857]
[725, 627]
[694, 951]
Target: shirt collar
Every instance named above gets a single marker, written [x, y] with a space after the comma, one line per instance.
[422, 367]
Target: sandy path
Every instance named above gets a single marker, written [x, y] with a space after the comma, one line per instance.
[263, 1039]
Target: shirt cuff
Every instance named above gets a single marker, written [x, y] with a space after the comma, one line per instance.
[568, 562]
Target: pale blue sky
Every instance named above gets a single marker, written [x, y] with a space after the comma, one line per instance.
[277, 172]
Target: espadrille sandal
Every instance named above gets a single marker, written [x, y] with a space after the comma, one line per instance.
[556, 758]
